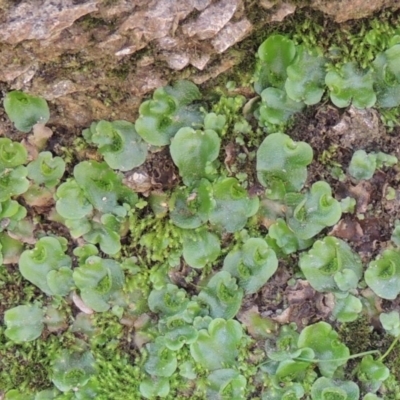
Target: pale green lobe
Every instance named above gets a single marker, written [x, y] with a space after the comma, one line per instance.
[24, 323]
[217, 346]
[25, 110]
[193, 151]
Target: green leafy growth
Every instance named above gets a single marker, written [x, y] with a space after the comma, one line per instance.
[385, 160]
[13, 182]
[387, 77]
[228, 109]
[25, 110]
[186, 370]
[152, 387]
[84, 252]
[391, 322]
[48, 394]
[347, 307]
[46, 169]
[105, 234]
[233, 206]
[311, 213]
[168, 111]
[363, 165]
[282, 164]
[161, 361]
[372, 396]
[200, 247]
[222, 295]
[72, 370]
[217, 346]
[277, 107]
[285, 359]
[323, 340]
[24, 323]
[306, 77]
[275, 54]
[383, 275]
[253, 264]
[16, 395]
[372, 373]
[289, 366]
[278, 347]
[189, 208]
[283, 240]
[60, 281]
[291, 391]
[169, 300]
[78, 227]
[331, 266]
[348, 205]
[226, 384]
[11, 213]
[99, 280]
[194, 153]
[12, 154]
[215, 122]
[10, 249]
[72, 203]
[351, 85]
[177, 331]
[158, 202]
[118, 142]
[36, 265]
[332, 389]
[103, 187]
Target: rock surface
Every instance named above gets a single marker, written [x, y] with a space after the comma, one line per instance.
[97, 58]
[345, 10]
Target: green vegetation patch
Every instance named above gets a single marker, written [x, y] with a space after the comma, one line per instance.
[202, 252]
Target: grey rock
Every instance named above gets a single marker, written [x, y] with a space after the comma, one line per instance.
[267, 4]
[113, 43]
[42, 19]
[159, 20]
[22, 80]
[177, 61]
[200, 5]
[282, 11]
[358, 128]
[232, 33]
[119, 8]
[211, 20]
[168, 43]
[11, 72]
[96, 59]
[345, 10]
[59, 89]
[200, 60]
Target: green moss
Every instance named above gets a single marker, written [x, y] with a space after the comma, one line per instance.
[358, 335]
[26, 366]
[121, 71]
[117, 378]
[155, 239]
[15, 290]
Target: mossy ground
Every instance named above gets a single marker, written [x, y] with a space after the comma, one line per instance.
[115, 344]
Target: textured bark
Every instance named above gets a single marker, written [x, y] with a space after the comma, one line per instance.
[97, 58]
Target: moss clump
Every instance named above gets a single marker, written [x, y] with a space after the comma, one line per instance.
[15, 290]
[27, 366]
[358, 336]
